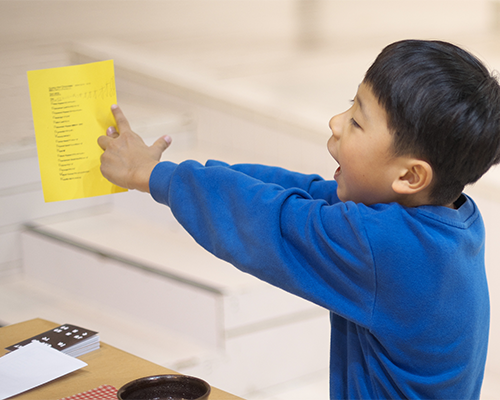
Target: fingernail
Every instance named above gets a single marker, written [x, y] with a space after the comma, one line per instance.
[114, 107]
[110, 131]
[167, 139]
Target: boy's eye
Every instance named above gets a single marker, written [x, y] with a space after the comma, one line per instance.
[354, 123]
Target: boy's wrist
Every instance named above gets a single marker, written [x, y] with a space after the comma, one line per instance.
[140, 177]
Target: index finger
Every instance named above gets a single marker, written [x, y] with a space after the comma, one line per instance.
[121, 121]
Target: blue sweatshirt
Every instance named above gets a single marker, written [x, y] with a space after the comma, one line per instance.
[406, 287]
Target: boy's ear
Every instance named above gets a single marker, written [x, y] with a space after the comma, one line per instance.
[413, 178]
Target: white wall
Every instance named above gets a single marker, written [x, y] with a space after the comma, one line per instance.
[260, 19]
[34, 34]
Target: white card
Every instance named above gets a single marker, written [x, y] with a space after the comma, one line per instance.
[31, 366]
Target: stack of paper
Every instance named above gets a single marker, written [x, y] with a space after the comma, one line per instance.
[31, 366]
[69, 339]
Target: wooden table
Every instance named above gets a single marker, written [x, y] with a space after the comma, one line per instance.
[106, 366]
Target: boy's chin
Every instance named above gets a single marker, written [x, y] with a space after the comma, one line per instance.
[342, 196]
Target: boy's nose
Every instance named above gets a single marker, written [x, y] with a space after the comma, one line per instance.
[335, 125]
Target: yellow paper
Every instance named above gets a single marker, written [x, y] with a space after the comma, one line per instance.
[71, 109]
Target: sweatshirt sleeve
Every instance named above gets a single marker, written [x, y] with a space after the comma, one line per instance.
[281, 235]
[313, 184]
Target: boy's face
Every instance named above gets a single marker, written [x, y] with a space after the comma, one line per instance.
[361, 143]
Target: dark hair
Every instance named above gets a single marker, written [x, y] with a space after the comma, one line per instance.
[443, 106]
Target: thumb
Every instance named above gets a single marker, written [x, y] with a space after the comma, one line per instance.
[160, 146]
[103, 141]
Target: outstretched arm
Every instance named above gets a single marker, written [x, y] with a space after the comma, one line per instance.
[127, 161]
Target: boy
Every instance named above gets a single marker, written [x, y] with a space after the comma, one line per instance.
[391, 247]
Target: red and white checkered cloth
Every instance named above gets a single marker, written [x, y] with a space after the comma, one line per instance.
[103, 392]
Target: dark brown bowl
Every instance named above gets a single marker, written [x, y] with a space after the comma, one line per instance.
[165, 387]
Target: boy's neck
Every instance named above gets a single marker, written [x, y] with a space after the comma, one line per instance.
[454, 206]
[423, 199]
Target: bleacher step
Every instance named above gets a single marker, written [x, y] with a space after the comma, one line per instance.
[156, 275]
[22, 299]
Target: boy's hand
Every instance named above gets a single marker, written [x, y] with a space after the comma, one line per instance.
[127, 161]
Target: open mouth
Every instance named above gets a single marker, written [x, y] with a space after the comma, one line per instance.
[337, 172]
